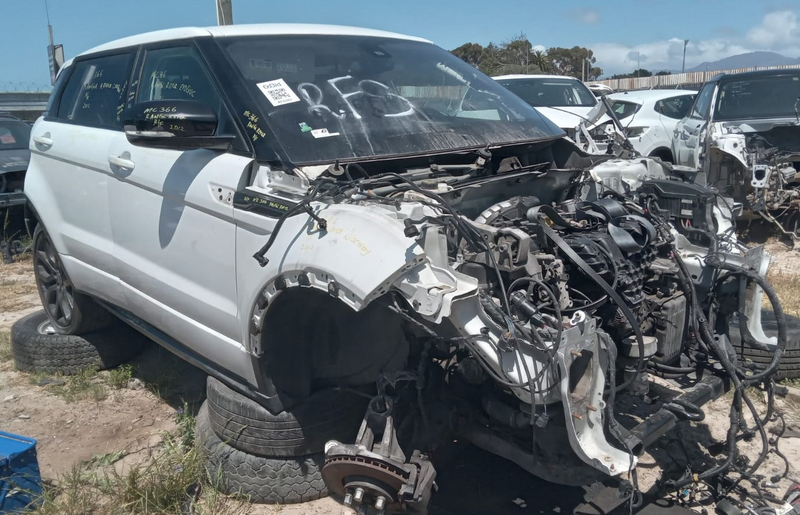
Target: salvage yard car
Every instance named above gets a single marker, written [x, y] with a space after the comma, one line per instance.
[649, 118]
[564, 100]
[317, 215]
[15, 135]
[743, 135]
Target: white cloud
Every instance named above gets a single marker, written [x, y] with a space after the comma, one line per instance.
[587, 16]
[778, 32]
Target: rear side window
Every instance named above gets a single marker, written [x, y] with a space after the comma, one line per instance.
[94, 94]
[624, 109]
[676, 107]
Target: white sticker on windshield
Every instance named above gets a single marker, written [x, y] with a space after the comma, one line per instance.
[323, 133]
[278, 92]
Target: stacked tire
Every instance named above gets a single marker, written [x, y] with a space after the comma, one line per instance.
[789, 366]
[273, 458]
[36, 347]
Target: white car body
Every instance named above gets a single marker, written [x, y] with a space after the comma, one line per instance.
[741, 135]
[600, 89]
[656, 113]
[567, 113]
[279, 240]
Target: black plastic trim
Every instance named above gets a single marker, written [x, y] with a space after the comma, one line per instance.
[272, 403]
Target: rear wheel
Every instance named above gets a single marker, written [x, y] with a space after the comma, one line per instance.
[69, 311]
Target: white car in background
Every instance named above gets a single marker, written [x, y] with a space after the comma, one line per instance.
[566, 101]
[649, 116]
[600, 89]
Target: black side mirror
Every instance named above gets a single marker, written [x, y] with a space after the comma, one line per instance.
[174, 124]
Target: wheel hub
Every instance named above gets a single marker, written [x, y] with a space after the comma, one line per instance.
[376, 479]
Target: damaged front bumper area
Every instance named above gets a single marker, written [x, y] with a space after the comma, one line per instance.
[530, 325]
[756, 165]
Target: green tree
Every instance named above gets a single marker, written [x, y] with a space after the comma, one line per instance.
[541, 60]
[573, 61]
[512, 56]
[471, 53]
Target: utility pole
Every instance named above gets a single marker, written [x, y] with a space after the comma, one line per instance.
[638, 66]
[224, 12]
[683, 66]
[55, 53]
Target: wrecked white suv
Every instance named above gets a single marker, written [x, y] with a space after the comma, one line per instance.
[301, 208]
[743, 135]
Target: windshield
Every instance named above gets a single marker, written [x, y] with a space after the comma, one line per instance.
[624, 109]
[551, 92]
[343, 97]
[14, 135]
[758, 97]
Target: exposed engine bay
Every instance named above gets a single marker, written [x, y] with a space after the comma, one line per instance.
[756, 165]
[539, 284]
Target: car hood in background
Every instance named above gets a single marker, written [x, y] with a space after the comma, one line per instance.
[566, 117]
[14, 160]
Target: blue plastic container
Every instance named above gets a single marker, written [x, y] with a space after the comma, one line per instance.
[20, 481]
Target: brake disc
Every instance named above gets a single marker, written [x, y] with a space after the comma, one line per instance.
[344, 474]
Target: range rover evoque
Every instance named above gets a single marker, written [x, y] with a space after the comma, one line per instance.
[300, 209]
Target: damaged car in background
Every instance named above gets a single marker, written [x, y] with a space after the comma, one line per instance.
[364, 212]
[14, 157]
[743, 135]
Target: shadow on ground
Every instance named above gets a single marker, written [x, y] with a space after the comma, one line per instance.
[174, 380]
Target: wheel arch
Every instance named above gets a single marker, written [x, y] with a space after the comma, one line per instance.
[664, 153]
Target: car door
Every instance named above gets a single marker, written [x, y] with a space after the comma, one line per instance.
[68, 179]
[688, 132]
[670, 111]
[172, 215]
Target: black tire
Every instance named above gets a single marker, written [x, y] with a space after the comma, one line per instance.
[246, 425]
[37, 350]
[789, 367]
[70, 311]
[262, 480]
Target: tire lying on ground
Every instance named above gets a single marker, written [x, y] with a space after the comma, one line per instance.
[36, 348]
[789, 367]
[247, 426]
[262, 480]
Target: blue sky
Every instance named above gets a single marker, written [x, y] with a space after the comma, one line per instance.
[615, 30]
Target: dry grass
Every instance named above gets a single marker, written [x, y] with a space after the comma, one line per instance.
[787, 286]
[15, 295]
[173, 481]
[5, 345]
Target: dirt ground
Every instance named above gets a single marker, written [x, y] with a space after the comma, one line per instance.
[124, 424]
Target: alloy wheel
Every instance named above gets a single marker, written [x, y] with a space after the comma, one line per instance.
[55, 289]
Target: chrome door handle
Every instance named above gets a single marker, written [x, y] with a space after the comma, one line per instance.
[43, 140]
[121, 162]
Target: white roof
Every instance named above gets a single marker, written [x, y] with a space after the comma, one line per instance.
[262, 29]
[649, 95]
[523, 76]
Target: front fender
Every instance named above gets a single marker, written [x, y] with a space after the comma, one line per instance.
[361, 255]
